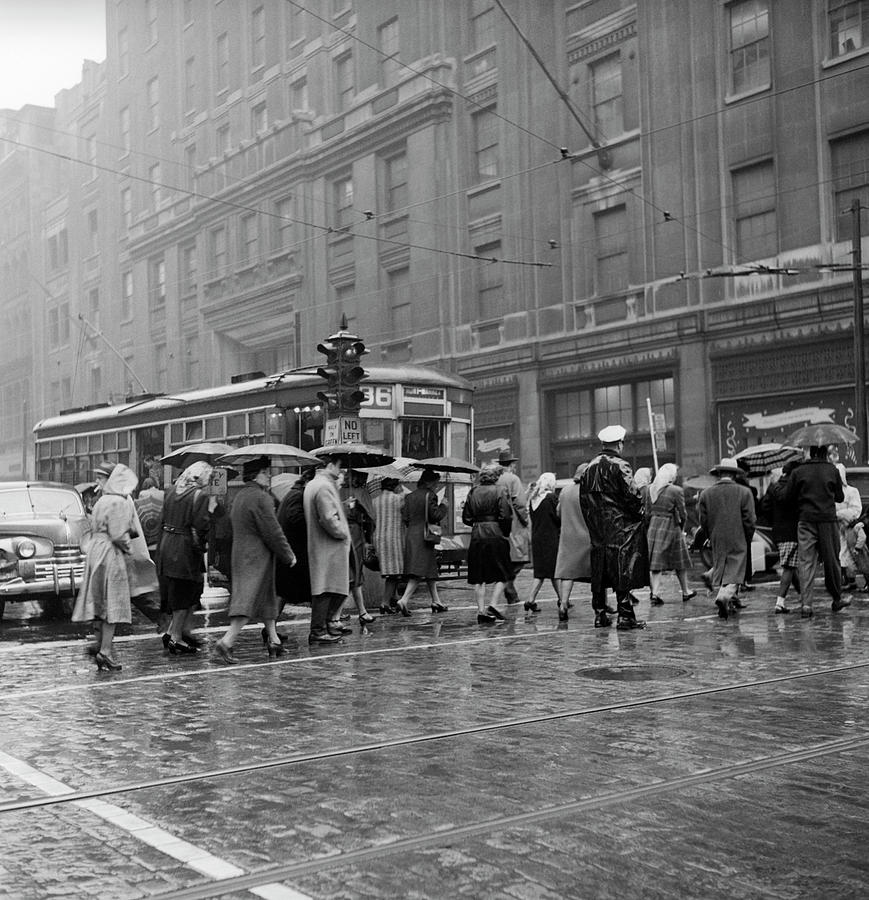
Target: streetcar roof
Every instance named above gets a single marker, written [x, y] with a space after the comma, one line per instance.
[175, 402]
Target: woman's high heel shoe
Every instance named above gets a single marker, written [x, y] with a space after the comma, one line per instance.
[494, 611]
[386, 610]
[439, 607]
[366, 618]
[275, 650]
[562, 613]
[403, 610]
[191, 640]
[265, 636]
[106, 662]
[531, 606]
[179, 648]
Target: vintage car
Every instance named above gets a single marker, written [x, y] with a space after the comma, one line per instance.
[42, 528]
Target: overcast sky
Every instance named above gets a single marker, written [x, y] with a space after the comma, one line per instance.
[42, 45]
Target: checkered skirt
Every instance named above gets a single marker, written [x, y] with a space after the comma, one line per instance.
[787, 553]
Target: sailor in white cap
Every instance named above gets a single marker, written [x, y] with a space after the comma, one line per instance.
[613, 511]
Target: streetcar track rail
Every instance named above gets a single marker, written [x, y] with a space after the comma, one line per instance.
[406, 740]
[448, 836]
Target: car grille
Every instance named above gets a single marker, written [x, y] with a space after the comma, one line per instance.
[66, 557]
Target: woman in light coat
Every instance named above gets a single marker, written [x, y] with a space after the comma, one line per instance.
[573, 562]
[668, 550]
[257, 540]
[389, 539]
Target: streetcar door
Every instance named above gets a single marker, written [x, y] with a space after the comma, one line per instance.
[149, 447]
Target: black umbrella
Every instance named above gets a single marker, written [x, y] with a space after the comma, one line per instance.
[206, 451]
[357, 456]
[446, 464]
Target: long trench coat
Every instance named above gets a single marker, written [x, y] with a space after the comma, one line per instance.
[574, 545]
[613, 511]
[726, 511]
[420, 557]
[257, 540]
[328, 537]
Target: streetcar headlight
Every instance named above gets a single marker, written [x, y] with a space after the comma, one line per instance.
[26, 548]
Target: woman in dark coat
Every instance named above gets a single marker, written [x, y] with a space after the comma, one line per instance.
[359, 510]
[293, 583]
[420, 558]
[545, 528]
[180, 553]
[257, 540]
[487, 510]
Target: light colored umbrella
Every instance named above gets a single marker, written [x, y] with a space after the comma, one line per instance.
[763, 458]
[446, 464]
[206, 451]
[401, 470]
[822, 434]
[278, 454]
[699, 482]
[281, 484]
[358, 456]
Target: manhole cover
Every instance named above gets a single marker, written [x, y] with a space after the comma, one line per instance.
[632, 673]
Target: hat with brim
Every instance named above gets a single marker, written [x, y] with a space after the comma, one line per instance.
[505, 457]
[727, 466]
[253, 467]
[612, 434]
[103, 468]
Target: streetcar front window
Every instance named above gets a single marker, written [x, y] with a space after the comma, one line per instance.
[378, 433]
[460, 440]
[422, 438]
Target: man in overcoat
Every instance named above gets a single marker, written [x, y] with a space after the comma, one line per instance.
[613, 511]
[328, 550]
[726, 511]
[520, 536]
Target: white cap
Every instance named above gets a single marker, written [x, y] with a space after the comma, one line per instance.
[611, 434]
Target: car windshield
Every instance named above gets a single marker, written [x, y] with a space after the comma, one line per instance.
[52, 501]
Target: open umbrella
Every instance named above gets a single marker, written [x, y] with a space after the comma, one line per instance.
[281, 484]
[699, 482]
[83, 486]
[762, 458]
[446, 464]
[358, 456]
[206, 451]
[279, 454]
[822, 434]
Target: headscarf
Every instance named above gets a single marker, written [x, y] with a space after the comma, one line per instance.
[843, 474]
[545, 485]
[642, 477]
[196, 475]
[122, 481]
[666, 475]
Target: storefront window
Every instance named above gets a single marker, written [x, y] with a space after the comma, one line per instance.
[614, 404]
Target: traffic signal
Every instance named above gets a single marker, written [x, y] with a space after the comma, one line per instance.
[342, 371]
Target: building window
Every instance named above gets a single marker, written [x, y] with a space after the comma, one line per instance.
[482, 24]
[188, 12]
[127, 208]
[606, 96]
[53, 328]
[257, 38]
[217, 251]
[398, 293]
[190, 167]
[190, 83]
[191, 360]
[849, 25]
[222, 61]
[123, 53]
[153, 93]
[90, 144]
[58, 250]
[126, 296]
[125, 130]
[485, 125]
[156, 282]
[490, 283]
[387, 39]
[344, 82]
[749, 45]
[224, 139]
[93, 232]
[160, 367]
[96, 384]
[754, 212]
[850, 164]
[154, 176]
[343, 200]
[396, 182]
[249, 238]
[259, 120]
[611, 250]
[299, 95]
[187, 267]
[151, 20]
[94, 307]
[283, 232]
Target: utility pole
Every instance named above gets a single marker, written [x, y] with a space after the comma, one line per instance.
[859, 350]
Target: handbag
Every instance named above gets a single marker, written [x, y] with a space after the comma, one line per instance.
[431, 533]
[371, 560]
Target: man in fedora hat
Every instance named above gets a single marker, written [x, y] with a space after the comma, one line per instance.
[816, 487]
[726, 511]
[520, 539]
[613, 511]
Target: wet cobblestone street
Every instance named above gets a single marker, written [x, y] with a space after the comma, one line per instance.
[432, 757]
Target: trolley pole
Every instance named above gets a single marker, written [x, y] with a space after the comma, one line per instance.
[859, 348]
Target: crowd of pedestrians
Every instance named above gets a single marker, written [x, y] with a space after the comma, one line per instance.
[610, 527]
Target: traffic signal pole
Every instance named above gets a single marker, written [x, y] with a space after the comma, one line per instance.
[859, 347]
[343, 398]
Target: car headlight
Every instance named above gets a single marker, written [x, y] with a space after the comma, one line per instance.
[26, 548]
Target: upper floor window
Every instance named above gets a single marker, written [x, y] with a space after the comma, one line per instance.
[482, 24]
[188, 12]
[154, 176]
[611, 250]
[125, 129]
[126, 296]
[283, 223]
[190, 167]
[93, 232]
[387, 39]
[123, 53]
[485, 125]
[58, 250]
[343, 200]
[187, 267]
[217, 251]
[606, 96]
[299, 95]
[396, 182]
[224, 138]
[126, 207]
[398, 292]
[344, 82]
[190, 83]
[249, 243]
[151, 20]
[222, 62]
[156, 281]
[754, 212]
[749, 45]
[849, 25]
[490, 283]
[849, 157]
[259, 120]
[257, 38]
[153, 93]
